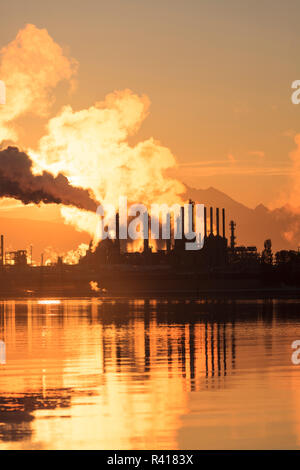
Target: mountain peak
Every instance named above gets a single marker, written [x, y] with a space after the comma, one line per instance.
[262, 208]
[253, 226]
[212, 196]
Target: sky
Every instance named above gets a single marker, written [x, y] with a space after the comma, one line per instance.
[218, 75]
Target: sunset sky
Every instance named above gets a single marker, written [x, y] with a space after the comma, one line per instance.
[218, 76]
[163, 102]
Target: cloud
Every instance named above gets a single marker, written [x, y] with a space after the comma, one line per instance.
[225, 167]
[31, 66]
[292, 195]
[89, 146]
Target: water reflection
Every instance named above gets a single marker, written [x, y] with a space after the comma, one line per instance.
[118, 373]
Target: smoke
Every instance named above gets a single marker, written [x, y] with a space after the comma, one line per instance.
[31, 67]
[17, 181]
[286, 206]
[91, 146]
[73, 256]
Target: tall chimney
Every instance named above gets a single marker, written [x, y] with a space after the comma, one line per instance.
[211, 221]
[146, 240]
[205, 223]
[218, 224]
[232, 234]
[223, 217]
[193, 217]
[118, 231]
[182, 222]
[2, 250]
[168, 240]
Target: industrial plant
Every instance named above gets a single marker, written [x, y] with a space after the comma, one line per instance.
[117, 266]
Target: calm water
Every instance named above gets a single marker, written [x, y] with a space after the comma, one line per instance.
[149, 374]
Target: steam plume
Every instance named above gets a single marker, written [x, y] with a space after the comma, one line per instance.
[31, 66]
[92, 147]
[17, 181]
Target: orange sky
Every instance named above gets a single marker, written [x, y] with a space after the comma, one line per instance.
[218, 75]
[214, 79]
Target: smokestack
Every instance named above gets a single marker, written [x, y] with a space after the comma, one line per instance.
[118, 231]
[223, 217]
[179, 243]
[193, 208]
[182, 221]
[218, 223]
[211, 221]
[205, 223]
[232, 234]
[168, 240]
[2, 250]
[146, 240]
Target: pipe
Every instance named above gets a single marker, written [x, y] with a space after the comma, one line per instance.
[218, 224]
[118, 231]
[211, 221]
[2, 250]
[182, 223]
[146, 245]
[223, 217]
[117, 226]
[146, 240]
[169, 240]
[232, 234]
[192, 225]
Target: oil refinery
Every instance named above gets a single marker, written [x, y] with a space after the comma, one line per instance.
[116, 267]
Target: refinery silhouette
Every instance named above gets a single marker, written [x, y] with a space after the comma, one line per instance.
[112, 267]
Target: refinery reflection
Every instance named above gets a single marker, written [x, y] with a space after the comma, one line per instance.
[116, 373]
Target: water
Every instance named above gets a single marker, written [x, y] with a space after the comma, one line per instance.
[149, 374]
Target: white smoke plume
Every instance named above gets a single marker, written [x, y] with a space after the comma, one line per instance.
[90, 146]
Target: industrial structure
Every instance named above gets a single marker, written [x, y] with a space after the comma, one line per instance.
[118, 266]
[170, 252]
